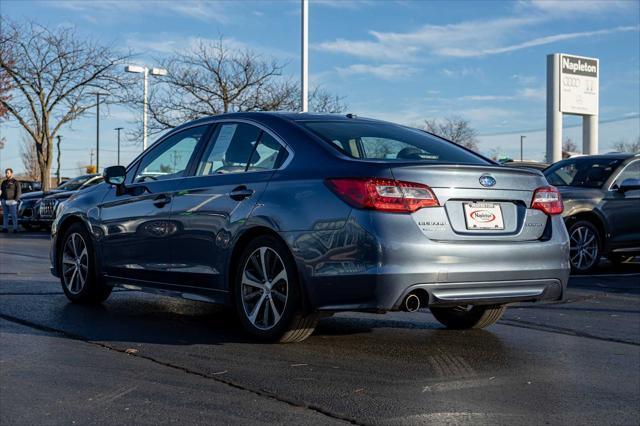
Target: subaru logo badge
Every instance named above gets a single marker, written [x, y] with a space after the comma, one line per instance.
[487, 180]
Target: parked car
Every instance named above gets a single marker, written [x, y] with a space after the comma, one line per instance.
[601, 194]
[30, 204]
[25, 186]
[287, 216]
[30, 186]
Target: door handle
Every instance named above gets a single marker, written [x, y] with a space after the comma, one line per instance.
[161, 200]
[240, 193]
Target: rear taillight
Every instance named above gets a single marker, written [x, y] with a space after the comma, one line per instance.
[383, 194]
[547, 199]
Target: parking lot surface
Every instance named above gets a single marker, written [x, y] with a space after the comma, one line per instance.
[141, 358]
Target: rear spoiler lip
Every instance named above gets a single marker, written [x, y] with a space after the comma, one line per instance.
[480, 168]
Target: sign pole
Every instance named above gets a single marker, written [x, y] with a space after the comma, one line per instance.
[554, 116]
[590, 134]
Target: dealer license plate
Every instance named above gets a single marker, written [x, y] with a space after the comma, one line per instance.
[483, 216]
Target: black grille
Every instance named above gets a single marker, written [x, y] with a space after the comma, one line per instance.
[48, 208]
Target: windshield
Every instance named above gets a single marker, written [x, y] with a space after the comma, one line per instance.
[390, 142]
[583, 172]
[74, 184]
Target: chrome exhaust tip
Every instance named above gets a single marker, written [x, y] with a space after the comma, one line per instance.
[411, 303]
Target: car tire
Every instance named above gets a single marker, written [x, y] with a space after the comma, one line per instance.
[77, 265]
[267, 293]
[585, 247]
[466, 317]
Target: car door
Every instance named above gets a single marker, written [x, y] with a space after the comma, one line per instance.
[210, 207]
[622, 209]
[136, 224]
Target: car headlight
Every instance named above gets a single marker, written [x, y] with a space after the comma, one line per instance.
[59, 208]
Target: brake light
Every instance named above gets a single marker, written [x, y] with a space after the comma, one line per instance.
[388, 195]
[547, 199]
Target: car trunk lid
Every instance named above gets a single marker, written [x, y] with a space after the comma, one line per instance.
[477, 202]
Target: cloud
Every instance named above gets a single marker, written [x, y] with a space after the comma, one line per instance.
[196, 9]
[573, 7]
[461, 40]
[462, 72]
[166, 43]
[385, 72]
[467, 53]
[533, 94]
[368, 49]
[524, 80]
[344, 4]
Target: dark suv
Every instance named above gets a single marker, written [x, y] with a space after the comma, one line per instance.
[37, 209]
[601, 195]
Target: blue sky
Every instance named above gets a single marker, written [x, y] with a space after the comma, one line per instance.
[398, 60]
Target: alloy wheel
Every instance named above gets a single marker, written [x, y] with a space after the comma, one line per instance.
[75, 263]
[265, 288]
[584, 247]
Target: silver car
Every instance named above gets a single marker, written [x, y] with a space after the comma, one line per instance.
[288, 216]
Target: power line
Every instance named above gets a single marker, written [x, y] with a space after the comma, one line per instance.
[542, 129]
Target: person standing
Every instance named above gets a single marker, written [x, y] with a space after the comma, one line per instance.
[10, 195]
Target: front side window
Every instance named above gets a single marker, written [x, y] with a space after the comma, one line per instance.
[170, 159]
[632, 171]
[390, 142]
[230, 149]
[582, 172]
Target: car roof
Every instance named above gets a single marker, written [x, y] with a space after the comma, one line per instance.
[610, 155]
[283, 115]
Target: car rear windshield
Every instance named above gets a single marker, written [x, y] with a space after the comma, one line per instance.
[390, 142]
[583, 172]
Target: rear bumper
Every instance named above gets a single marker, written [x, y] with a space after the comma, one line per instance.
[372, 268]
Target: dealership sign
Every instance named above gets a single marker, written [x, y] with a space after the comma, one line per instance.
[578, 85]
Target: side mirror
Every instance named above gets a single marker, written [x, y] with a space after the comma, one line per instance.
[115, 175]
[629, 185]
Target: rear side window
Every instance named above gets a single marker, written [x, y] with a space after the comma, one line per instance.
[268, 155]
[390, 142]
[582, 171]
[230, 150]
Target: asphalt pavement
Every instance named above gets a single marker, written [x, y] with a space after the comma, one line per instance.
[146, 359]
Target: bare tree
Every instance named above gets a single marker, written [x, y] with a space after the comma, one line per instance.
[211, 78]
[623, 146]
[29, 157]
[455, 129]
[53, 73]
[568, 145]
[5, 89]
[496, 153]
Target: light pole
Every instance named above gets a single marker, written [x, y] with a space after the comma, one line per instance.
[59, 137]
[304, 86]
[136, 69]
[521, 146]
[118, 130]
[98, 94]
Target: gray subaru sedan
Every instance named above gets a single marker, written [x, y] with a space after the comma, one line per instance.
[286, 217]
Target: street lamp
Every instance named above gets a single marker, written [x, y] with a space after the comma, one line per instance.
[521, 146]
[118, 130]
[98, 94]
[136, 69]
[304, 86]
